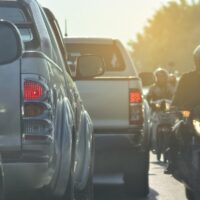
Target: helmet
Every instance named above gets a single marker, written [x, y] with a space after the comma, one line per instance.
[161, 76]
[196, 54]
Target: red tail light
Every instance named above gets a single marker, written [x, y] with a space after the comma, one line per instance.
[135, 107]
[37, 114]
[32, 90]
[135, 96]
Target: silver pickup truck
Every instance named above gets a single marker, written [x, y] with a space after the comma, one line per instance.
[115, 103]
[46, 135]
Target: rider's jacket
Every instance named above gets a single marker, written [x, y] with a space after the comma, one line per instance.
[157, 92]
[187, 95]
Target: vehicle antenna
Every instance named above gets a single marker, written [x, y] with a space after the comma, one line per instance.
[66, 34]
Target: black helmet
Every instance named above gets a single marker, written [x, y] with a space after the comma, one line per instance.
[196, 54]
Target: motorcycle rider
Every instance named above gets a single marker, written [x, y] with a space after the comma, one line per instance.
[186, 97]
[161, 88]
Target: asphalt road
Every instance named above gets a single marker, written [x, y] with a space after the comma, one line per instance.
[162, 187]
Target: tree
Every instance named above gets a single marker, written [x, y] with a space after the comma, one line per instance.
[169, 38]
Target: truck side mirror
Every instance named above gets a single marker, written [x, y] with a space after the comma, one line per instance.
[89, 66]
[10, 43]
[147, 78]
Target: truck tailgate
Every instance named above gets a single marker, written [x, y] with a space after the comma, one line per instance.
[10, 123]
[107, 100]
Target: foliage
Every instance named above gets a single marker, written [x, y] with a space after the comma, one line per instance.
[169, 38]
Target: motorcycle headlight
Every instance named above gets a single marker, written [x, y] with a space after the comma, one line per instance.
[167, 106]
[196, 124]
[157, 105]
[185, 113]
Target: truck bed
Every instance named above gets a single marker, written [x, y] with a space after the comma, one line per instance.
[107, 100]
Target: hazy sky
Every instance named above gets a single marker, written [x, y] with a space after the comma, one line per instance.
[108, 18]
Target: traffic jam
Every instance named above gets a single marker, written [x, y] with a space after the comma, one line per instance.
[80, 121]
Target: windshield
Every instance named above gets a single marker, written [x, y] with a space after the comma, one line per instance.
[109, 52]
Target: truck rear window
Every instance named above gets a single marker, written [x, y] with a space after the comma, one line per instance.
[17, 14]
[109, 52]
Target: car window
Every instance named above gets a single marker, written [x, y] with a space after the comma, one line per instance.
[109, 52]
[18, 16]
[26, 34]
[15, 15]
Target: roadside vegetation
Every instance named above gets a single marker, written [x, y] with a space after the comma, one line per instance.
[169, 38]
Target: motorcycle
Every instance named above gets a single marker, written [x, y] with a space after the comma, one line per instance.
[187, 166]
[161, 123]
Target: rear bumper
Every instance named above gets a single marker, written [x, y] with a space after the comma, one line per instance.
[119, 139]
[114, 151]
[26, 170]
[25, 176]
